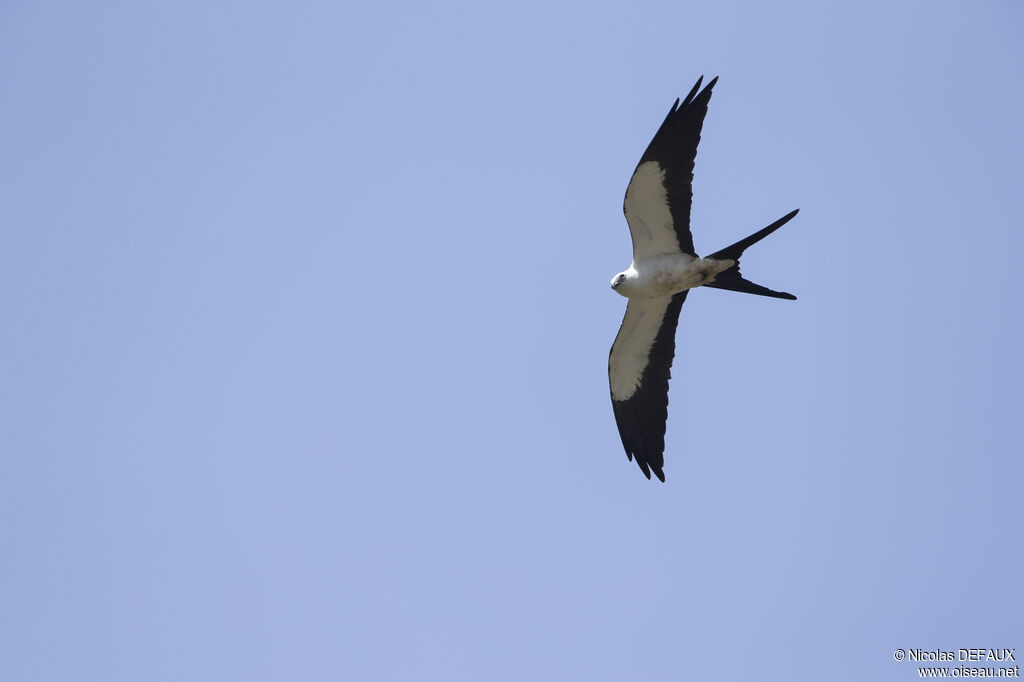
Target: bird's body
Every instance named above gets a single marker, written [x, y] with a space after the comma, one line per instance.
[665, 267]
[668, 274]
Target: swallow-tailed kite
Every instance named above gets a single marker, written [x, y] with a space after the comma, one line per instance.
[665, 267]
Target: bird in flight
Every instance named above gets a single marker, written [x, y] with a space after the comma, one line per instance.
[665, 267]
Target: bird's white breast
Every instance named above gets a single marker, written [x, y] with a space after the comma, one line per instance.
[669, 274]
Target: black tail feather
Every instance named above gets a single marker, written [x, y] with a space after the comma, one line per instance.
[731, 279]
[734, 251]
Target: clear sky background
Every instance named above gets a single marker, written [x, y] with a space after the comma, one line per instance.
[304, 323]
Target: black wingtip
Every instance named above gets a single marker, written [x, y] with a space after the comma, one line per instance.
[693, 92]
[647, 468]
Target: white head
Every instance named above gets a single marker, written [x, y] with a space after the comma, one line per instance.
[617, 282]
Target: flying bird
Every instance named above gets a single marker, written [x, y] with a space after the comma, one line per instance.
[665, 267]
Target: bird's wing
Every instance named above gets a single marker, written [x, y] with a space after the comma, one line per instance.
[657, 204]
[639, 367]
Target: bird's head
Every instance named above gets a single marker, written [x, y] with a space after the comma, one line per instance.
[617, 281]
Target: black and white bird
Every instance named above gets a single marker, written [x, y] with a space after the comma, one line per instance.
[665, 267]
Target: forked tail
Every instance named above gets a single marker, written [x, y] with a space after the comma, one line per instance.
[731, 279]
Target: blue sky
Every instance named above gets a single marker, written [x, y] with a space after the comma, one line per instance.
[306, 319]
